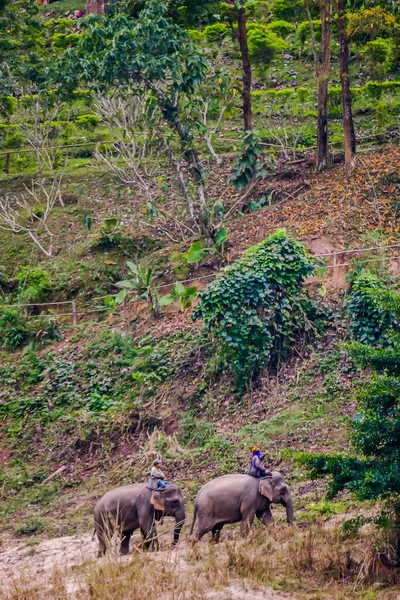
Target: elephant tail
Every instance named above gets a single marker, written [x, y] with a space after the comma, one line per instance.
[194, 519]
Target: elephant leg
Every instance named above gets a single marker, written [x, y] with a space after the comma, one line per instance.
[126, 536]
[247, 522]
[102, 545]
[201, 531]
[150, 539]
[216, 533]
[101, 533]
[266, 517]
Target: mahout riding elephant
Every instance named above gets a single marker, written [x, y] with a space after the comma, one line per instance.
[136, 506]
[234, 498]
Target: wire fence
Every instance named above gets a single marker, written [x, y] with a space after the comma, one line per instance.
[8, 153]
[85, 310]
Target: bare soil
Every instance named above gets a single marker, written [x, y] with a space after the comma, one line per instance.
[66, 554]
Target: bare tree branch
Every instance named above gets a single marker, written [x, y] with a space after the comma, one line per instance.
[29, 213]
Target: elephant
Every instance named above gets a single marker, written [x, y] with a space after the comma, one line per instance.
[135, 506]
[234, 498]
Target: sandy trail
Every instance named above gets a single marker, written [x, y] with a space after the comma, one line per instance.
[19, 559]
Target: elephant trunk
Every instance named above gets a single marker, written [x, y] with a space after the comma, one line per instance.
[288, 504]
[179, 521]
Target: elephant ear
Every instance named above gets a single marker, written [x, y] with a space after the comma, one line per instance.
[158, 500]
[265, 488]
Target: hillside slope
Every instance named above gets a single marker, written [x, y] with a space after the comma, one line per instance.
[92, 411]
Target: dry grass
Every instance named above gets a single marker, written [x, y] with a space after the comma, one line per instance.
[319, 562]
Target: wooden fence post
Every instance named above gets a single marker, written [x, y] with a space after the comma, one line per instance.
[74, 315]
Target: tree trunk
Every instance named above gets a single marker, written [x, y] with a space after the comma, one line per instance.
[348, 125]
[244, 51]
[323, 80]
[171, 115]
[95, 7]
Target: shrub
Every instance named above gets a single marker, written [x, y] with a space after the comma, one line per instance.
[303, 94]
[254, 310]
[260, 10]
[88, 121]
[377, 50]
[282, 28]
[197, 36]
[17, 330]
[34, 284]
[304, 33]
[289, 10]
[60, 41]
[13, 331]
[64, 25]
[216, 32]
[30, 526]
[369, 320]
[263, 44]
[8, 105]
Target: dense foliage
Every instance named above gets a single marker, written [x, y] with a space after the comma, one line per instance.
[255, 309]
[369, 319]
[373, 472]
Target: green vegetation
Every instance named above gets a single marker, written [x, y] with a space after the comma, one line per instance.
[254, 309]
[152, 303]
[373, 474]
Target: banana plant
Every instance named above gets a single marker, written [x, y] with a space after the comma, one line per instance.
[180, 294]
[142, 281]
[196, 252]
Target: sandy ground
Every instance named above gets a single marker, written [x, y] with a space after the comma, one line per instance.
[19, 559]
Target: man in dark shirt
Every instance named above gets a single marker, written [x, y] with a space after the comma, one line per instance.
[256, 468]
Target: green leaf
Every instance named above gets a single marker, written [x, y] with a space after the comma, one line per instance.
[111, 222]
[165, 300]
[178, 290]
[190, 292]
[120, 297]
[196, 252]
[127, 283]
[221, 237]
[133, 267]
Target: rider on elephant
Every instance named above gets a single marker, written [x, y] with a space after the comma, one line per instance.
[256, 467]
[157, 477]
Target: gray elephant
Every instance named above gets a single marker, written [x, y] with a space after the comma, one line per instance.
[234, 498]
[136, 506]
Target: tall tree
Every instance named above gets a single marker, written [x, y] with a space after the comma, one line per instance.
[246, 78]
[348, 124]
[152, 57]
[325, 9]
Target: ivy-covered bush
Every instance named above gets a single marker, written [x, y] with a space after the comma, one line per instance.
[368, 317]
[254, 311]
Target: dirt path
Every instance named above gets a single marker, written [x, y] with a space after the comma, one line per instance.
[22, 560]
[68, 551]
